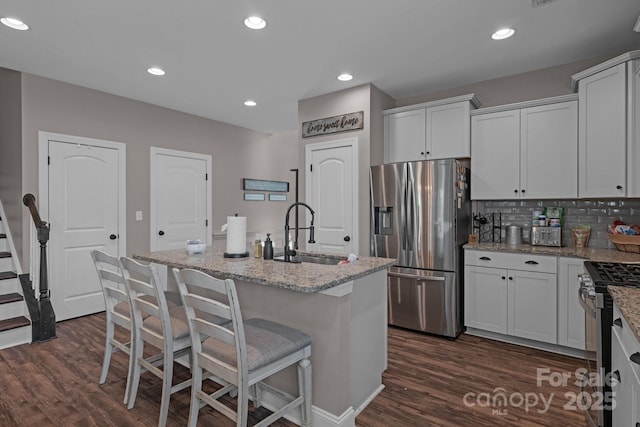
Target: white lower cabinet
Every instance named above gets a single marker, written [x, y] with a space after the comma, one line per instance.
[625, 372]
[486, 301]
[532, 305]
[511, 294]
[571, 315]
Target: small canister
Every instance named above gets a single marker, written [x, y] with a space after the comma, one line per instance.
[554, 222]
[542, 221]
[514, 235]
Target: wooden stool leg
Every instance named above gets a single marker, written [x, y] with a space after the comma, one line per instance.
[304, 387]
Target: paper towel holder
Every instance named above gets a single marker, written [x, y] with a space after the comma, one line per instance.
[236, 255]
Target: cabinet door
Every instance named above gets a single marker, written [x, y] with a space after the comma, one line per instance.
[448, 131]
[549, 151]
[405, 136]
[532, 305]
[495, 155]
[622, 383]
[571, 315]
[633, 134]
[485, 298]
[602, 134]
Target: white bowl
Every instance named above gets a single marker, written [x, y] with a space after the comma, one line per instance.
[196, 246]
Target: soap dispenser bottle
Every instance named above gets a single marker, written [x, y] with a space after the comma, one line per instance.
[267, 252]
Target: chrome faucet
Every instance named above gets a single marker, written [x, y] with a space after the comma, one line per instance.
[288, 253]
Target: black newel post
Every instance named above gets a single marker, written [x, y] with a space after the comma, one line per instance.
[47, 316]
[46, 324]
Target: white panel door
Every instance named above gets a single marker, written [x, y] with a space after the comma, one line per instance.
[180, 201]
[332, 180]
[83, 213]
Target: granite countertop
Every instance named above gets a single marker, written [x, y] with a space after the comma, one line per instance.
[589, 254]
[628, 300]
[303, 277]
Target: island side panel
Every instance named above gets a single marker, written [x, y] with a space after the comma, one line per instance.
[368, 338]
[326, 319]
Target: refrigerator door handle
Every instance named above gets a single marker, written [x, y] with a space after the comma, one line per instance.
[410, 217]
[418, 278]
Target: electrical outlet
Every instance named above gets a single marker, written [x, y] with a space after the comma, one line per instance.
[138, 215]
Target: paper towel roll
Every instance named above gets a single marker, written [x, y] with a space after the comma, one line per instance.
[236, 235]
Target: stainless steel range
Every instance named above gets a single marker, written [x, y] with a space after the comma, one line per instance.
[598, 303]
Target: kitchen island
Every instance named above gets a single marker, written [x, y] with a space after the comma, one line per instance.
[343, 308]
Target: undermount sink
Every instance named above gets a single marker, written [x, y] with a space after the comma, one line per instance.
[311, 259]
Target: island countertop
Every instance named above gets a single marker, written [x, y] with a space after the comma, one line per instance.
[303, 277]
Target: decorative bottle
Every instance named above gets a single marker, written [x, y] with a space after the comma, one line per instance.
[257, 247]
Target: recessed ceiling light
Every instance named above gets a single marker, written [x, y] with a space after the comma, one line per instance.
[345, 77]
[250, 103]
[14, 23]
[255, 23]
[503, 33]
[156, 71]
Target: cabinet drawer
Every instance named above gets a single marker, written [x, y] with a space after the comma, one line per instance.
[485, 258]
[512, 261]
[630, 343]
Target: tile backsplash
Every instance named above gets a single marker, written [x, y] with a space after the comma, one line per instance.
[596, 213]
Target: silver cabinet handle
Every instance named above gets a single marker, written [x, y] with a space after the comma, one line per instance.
[419, 278]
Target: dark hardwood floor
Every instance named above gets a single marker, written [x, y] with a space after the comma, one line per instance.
[56, 384]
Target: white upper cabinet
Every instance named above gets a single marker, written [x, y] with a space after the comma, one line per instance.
[633, 133]
[549, 151]
[609, 127]
[404, 136]
[429, 131]
[495, 157]
[525, 151]
[602, 133]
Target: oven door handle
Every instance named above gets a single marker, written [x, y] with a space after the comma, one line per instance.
[591, 311]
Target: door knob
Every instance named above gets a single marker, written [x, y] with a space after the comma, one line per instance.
[160, 233]
[113, 237]
[347, 238]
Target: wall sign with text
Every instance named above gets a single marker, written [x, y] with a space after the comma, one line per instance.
[345, 122]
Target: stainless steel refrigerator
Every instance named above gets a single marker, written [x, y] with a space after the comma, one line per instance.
[421, 215]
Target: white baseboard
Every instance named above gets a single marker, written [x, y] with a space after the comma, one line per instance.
[553, 348]
[319, 417]
[368, 400]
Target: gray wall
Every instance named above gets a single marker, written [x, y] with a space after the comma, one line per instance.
[538, 84]
[54, 106]
[365, 98]
[10, 152]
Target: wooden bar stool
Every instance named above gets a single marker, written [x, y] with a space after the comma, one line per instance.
[240, 353]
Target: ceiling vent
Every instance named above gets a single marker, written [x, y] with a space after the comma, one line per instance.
[536, 3]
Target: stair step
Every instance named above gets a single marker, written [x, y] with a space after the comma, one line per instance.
[5, 254]
[14, 323]
[7, 275]
[12, 297]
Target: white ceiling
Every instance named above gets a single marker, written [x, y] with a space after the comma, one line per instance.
[214, 63]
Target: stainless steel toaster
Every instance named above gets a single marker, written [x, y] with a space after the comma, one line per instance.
[546, 236]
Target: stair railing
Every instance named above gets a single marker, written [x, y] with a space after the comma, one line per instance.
[44, 327]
